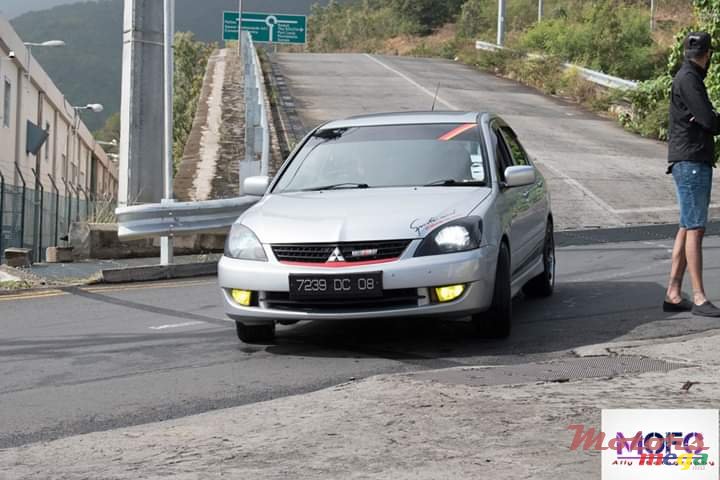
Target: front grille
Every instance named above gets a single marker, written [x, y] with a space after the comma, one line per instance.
[351, 251]
[399, 298]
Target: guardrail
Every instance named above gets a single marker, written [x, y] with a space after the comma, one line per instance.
[593, 76]
[257, 129]
[180, 218]
[170, 219]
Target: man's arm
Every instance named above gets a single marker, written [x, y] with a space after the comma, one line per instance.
[695, 97]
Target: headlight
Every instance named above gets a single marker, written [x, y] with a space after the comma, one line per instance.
[242, 244]
[457, 236]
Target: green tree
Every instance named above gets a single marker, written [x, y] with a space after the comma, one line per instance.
[191, 58]
[111, 130]
[427, 14]
[651, 100]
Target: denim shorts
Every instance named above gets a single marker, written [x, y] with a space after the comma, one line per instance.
[693, 182]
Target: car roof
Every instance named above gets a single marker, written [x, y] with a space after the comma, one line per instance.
[403, 118]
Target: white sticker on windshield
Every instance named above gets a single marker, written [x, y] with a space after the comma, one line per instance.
[477, 170]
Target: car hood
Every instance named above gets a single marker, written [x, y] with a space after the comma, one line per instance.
[360, 214]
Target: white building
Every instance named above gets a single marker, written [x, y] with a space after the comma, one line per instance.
[28, 94]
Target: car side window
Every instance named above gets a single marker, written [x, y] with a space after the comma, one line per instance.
[502, 154]
[518, 152]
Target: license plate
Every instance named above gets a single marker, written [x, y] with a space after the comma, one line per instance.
[363, 285]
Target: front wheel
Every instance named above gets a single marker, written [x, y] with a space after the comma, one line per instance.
[496, 322]
[255, 333]
[544, 284]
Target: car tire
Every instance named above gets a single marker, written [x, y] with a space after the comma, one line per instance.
[544, 284]
[497, 321]
[255, 333]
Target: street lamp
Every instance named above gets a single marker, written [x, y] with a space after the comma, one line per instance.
[49, 43]
[90, 107]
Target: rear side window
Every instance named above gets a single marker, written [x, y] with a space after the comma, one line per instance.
[518, 153]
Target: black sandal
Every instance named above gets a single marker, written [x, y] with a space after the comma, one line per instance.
[683, 305]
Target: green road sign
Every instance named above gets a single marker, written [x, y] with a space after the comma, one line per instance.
[267, 27]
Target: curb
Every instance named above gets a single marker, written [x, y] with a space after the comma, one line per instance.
[158, 272]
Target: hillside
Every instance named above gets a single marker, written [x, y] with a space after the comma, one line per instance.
[14, 8]
[88, 69]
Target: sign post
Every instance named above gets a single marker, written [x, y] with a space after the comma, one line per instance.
[267, 27]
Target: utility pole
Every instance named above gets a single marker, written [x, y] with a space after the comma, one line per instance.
[540, 10]
[501, 23]
[166, 243]
[141, 117]
[652, 15]
[240, 5]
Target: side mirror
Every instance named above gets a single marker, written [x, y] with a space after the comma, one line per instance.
[256, 186]
[519, 176]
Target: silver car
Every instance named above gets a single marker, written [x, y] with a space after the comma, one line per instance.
[392, 215]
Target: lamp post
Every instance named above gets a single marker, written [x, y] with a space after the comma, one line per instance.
[166, 243]
[28, 60]
[652, 15]
[540, 10]
[240, 6]
[501, 23]
[90, 107]
[29, 46]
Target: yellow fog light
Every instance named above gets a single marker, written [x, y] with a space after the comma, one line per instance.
[449, 293]
[242, 297]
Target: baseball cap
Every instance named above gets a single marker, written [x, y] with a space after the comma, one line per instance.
[698, 42]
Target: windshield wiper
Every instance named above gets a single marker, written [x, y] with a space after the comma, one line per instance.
[337, 185]
[451, 182]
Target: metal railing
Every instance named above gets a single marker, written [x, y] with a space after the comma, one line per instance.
[180, 218]
[257, 129]
[170, 219]
[598, 78]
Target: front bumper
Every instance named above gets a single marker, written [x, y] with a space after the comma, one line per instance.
[476, 269]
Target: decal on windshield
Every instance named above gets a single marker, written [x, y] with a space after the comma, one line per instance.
[422, 226]
[457, 131]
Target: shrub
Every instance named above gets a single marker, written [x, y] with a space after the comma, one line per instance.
[650, 102]
[426, 14]
[478, 18]
[605, 35]
[355, 26]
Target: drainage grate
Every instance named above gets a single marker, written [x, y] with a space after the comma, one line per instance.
[624, 234]
[555, 371]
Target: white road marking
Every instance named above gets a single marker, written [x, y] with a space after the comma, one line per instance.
[574, 183]
[176, 325]
[413, 82]
[569, 180]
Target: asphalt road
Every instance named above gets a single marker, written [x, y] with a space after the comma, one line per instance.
[96, 358]
[599, 174]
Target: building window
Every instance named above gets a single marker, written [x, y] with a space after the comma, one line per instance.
[7, 96]
[47, 142]
[73, 173]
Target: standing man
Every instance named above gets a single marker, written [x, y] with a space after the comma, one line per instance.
[693, 124]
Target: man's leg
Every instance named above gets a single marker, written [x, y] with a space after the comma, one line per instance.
[677, 271]
[693, 253]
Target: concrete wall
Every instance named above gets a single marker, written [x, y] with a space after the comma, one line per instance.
[70, 152]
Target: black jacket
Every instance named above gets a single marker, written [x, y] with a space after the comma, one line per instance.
[691, 140]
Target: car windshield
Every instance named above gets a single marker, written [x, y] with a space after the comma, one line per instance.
[388, 156]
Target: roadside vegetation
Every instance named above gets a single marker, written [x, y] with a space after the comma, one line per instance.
[191, 59]
[613, 36]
